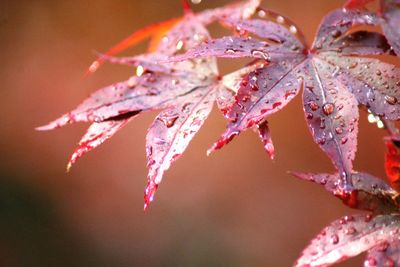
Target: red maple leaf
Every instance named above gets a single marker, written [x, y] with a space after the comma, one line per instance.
[185, 91]
[334, 72]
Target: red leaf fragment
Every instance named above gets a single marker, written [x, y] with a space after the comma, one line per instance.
[265, 136]
[369, 192]
[348, 237]
[152, 30]
[390, 23]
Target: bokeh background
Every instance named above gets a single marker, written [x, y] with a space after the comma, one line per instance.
[234, 208]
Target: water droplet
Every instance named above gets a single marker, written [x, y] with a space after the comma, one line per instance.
[371, 261]
[198, 37]
[348, 218]
[196, 2]
[245, 98]
[328, 108]
[139, 71]
[352, 65]
[169, 121]
[165, 39]
[350, 231]
[391, 100]
[339, 130]
[321, 140]
[336, 33]
[174, 82]
[313, 105]
[368, 217]
[230, 51]
[344, 140]
[280, 19]
[334, 239]
[95, 65]
[131, 82]
[254, 87]
[260, 54]
[378, 72]
[179, 45]
[293, 29]
[371, 118]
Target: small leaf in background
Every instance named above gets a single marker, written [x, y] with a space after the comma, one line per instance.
[389, 19]
[348, 237]
[154, 31]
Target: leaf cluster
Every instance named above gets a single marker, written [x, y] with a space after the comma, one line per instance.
[335, 75]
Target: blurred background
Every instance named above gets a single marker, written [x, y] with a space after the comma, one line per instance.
[234, 208]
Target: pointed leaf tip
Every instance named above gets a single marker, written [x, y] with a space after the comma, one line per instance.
[149, 193]
[226, 138]
[186, 7]
[68, 169]
[265, 136]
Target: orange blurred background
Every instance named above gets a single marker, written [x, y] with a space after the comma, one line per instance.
[234, 208]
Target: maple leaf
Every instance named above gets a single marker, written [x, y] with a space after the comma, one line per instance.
[352, 235]
[334, 73]
[185, 92]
